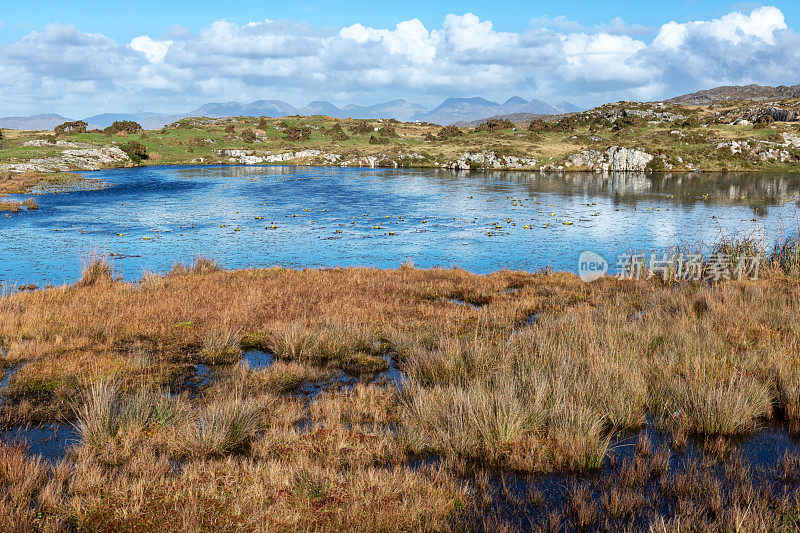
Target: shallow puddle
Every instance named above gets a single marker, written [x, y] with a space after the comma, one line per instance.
[638, 483]
[49, 441]
[258, 359]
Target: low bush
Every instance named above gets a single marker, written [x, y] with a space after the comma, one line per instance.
[337, 133]
[77, 126]
[495, 124]
[449, 132]
[127, 126]
[361, 128]
[298, 133]
[135, 150]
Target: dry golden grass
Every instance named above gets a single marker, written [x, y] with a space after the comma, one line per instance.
[480, 384]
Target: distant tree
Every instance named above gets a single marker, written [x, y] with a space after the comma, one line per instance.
[76, 126]
[135, 150]
[128, 126]
[1, 135]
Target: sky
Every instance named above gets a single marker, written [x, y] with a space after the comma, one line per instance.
[82, 58]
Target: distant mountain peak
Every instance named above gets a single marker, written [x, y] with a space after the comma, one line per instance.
[452, 110]
[515, 100]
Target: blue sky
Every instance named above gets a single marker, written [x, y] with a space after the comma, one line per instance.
[155, 17]
[80, 58]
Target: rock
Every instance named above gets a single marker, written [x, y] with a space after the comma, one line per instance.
[59, 144]
[487, 159]
[627, 159]
[791, 140]
[588, 159]
[83, 159]
[615, 159]
[761, 150]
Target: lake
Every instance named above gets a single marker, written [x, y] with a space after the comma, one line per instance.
[151, 217]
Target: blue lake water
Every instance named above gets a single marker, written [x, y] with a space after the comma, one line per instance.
[151, 217]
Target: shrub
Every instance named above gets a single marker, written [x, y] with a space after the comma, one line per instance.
[128, 126]
[77, 126]
[262, 123]
[230, 129]
[449, 132]
[361, 128]
[248, 135]
[135, 150]
[298, 133]
[388, 131]
[537, 125]
[337, 133]
[494, 124]
[378, 140]
[629, 121]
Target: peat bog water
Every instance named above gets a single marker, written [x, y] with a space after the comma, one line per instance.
[151, 217]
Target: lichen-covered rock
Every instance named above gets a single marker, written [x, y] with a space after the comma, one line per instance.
[615, 159]
[761, 150]
[627, 159]
[487, 159]
[83, 159]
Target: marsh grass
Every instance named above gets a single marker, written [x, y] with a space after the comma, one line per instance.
[224, 427]
[201, 265]
[96, 268]
[480, 388]
[786, 255]
[112, 424]
[221, 345]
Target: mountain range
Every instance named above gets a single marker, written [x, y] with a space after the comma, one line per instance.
[452, 110]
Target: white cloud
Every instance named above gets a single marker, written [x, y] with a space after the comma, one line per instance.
[554, 59]
[153, 50]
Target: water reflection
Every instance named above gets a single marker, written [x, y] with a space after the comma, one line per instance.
[296, 217]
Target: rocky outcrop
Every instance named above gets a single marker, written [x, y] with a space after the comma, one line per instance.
[249, 157]
[59, 144]
[650, 112]
[615, 159]
[471, 160]
[78, 159]
[761, 150]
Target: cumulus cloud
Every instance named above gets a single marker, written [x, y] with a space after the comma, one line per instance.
[153, 50]
[553, 59]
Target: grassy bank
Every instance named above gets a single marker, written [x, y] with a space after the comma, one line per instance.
[523, 372]
[680, 138]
